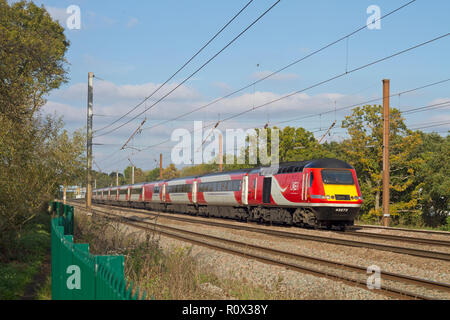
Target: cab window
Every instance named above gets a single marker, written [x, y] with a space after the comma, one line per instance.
[337, 177]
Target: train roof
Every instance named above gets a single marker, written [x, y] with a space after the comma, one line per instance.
[183, 178]
[237, 171]
[298, 166]
[284, 167]
[328, 163]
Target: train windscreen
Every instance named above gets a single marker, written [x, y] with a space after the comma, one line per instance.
[337, 177]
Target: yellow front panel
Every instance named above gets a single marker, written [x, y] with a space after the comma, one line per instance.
[344, 189]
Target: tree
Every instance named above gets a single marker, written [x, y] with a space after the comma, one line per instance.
[295, 144]
[364, 150]
[31, 58]
[170, 172]
[152, 175]
[434, 178]
[36, 154]
[103, 180]
[35, 160]
[114, 175]
[139, 175]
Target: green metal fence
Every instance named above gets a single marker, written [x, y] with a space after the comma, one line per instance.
[79, 275]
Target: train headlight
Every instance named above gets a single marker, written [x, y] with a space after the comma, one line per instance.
[332, 197]
[328, 197]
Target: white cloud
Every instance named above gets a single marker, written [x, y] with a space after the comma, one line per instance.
[132, 22]
[224, 87]
[108, 93]
[116, 100]
[275, 77]
[70, 114]
[439, 100]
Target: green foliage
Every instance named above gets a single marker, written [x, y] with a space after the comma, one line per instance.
[36, 154]
[364, 150]
[139, 175]
[153, 175]
[434, 177]
[31, 58]
[102, 179]
[36, 159]
[170, 172]
[29, 253]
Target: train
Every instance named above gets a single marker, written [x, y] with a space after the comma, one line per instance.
[321, 193]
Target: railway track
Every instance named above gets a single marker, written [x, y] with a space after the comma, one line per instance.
[443, 243]
[437, 232]
[293, 235]
[350, 274]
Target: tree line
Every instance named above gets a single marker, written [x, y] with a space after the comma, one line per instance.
[37, 154]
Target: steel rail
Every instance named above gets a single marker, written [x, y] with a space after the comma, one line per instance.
[293, 235]
[363, 226]
[173, 232]
[434, 242]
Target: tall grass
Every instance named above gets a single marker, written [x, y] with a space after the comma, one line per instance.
[170, 274]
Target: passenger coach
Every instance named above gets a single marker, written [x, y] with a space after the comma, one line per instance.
[318, 193]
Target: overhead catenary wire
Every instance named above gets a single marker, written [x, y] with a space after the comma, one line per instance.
[181, 68]
[431, 124]
[196, 71]
[281, 69]
[336, 77]
[368, 101]
[353, 70]
[428, 85]
[289, 65]
[428, 107]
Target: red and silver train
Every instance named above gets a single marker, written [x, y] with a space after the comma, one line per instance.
[317, 193]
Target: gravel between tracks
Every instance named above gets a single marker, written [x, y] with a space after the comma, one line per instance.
[433, 236]
[391, 262]
[301, 286]
[305, 286]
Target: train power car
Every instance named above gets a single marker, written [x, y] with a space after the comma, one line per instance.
[314, 193]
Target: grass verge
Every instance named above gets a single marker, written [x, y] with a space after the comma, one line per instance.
[170, 274]
[18, 273]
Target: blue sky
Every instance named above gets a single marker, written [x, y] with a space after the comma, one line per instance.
[136, 45]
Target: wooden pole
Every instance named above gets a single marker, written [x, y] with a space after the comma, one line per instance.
[386, 166]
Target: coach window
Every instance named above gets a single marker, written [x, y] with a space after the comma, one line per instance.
[311, 178]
